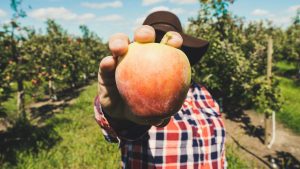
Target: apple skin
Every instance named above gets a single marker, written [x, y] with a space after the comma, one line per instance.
[153, 79]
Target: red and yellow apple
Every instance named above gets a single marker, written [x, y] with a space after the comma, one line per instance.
[153, 79]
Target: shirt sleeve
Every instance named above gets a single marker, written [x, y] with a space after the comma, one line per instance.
[108, 132]
[115, 130]
[223, 160]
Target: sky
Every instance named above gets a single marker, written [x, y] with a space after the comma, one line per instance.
[106, 17]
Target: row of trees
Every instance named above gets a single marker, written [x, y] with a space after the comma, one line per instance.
[289, 42]
[234, 67]
[47, 62]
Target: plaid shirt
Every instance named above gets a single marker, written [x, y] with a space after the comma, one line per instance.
[194, 137]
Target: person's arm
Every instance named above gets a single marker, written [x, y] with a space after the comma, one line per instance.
[115, 129]
[108, 133]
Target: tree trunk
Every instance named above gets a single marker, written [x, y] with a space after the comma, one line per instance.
[20, 93]
[21, 100]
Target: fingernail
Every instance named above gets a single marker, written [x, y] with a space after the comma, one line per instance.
[118, 43]
[145, 30]
[176, 37]
[172, 38]
[117, 46]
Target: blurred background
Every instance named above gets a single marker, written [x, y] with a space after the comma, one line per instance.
[49, 56]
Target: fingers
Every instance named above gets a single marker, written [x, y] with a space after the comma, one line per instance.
[118, 44]
[107, 90]
[144, 34]
[172, 38]
[106, 75]
[108, 95]
[108, 64]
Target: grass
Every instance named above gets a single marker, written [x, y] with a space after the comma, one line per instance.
[233, 159]
[284, 67]
[290, 113]
[69, 139]
[10, 105]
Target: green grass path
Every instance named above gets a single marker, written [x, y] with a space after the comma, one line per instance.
[290, 113]
[76, 141]
[71, 139]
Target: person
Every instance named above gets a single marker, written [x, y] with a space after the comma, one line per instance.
[192, 138]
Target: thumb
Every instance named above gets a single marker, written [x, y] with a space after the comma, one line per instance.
[172, 38]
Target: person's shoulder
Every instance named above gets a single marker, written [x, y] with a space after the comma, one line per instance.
[201, 89]
[199, 97]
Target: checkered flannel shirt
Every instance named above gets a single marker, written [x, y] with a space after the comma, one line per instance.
[194, 137]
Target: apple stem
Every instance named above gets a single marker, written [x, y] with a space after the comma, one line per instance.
[166, 38]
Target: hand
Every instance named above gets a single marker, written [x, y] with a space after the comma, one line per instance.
[109, 96]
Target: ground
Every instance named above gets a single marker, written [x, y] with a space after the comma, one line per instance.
[246, 134]
[63, 134]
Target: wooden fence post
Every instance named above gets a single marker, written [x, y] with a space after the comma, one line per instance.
[269, 74]
[269, 62]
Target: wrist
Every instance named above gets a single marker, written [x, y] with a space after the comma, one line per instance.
[127, 129]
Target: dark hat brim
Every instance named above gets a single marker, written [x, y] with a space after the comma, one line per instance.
[194, 48]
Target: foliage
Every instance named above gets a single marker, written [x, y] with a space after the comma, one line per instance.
[267, 96]
[63, 60]
[19, 64]
[15, 6]
[234, 161]
[55, 58]
[289, 45]
[5, 78]
[291, 50]
[235, 63]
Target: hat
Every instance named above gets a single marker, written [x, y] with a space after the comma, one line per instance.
[164, 21]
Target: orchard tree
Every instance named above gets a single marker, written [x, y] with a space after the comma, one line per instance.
[224, 69]
[34, 48]
[291, 48]
[234, 67]
[65, 61]
[5, 77]
[93, 49]
[54, 56]
[18, 64]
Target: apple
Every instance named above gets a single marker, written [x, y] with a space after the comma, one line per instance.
[153, 79]
[34, 82]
